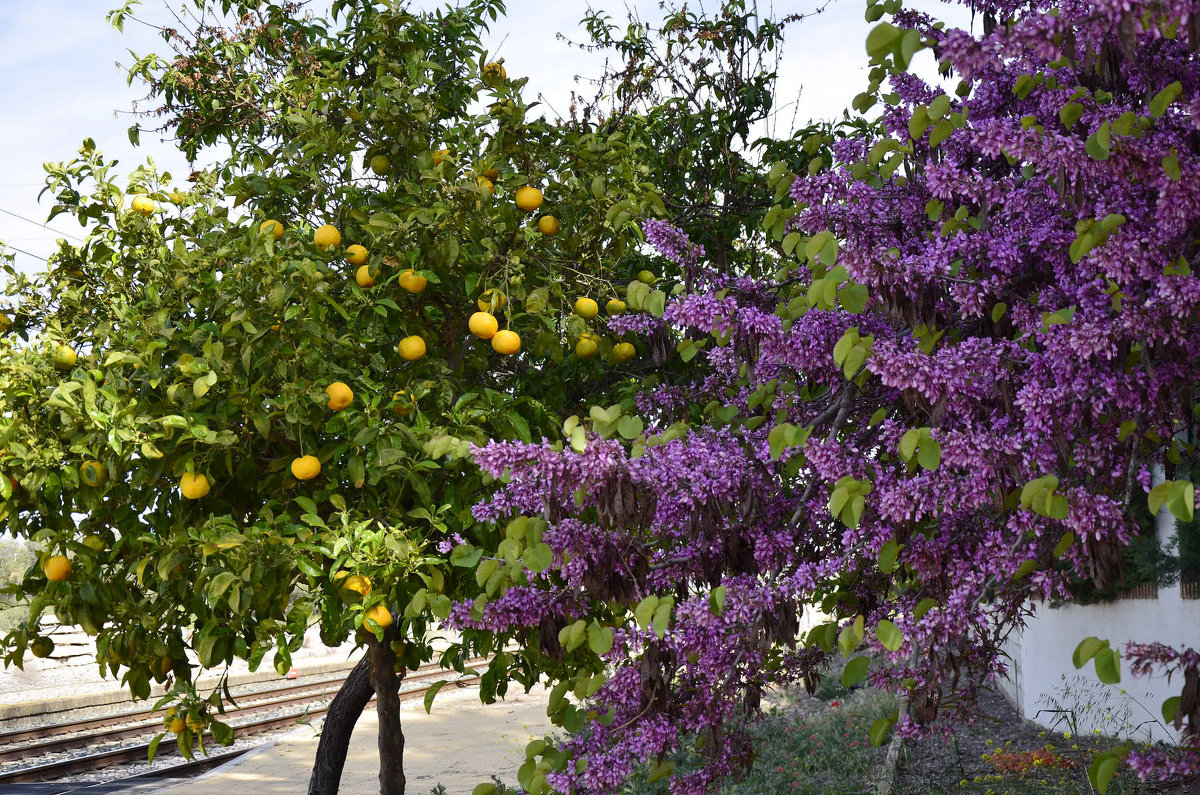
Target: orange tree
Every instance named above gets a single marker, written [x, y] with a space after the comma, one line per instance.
[243, 408]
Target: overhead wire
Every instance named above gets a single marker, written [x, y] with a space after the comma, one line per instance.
[39, 223]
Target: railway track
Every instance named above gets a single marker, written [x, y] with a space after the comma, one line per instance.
[290, 704]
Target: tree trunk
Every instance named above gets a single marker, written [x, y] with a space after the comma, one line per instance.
[391, 735]
[343, 713]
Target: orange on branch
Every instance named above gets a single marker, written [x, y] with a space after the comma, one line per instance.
[340, 395]
[483, 325]
[306, 467]
[506, 342]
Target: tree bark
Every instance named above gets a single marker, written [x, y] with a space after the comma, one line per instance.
[391, 735]
[347, 705]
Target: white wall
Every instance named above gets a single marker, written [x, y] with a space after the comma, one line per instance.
[1041, 660]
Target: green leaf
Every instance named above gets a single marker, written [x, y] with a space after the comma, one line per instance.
[888, 555]
[662, 616]
[661, 771]
[1064, 544]
[879, 731]
[644, 612]
[1108, 666]
[855, 670]
[1086, 650]
[889, 635]
[908, 443]
[1163, 99]
[881, 38]
[849, 638]
[1025, 569]
[1069, 114]
[1102, 770]
[486, 788]
[923, 607]
[930, 453]
[998, 311]
[717, 597]
[600, 639]
[630, 426]
[432, 692]
[538, 558]
[1170, 708]
[1158, 496]
[465, 555]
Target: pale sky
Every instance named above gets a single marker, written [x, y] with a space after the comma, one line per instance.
[59, 83]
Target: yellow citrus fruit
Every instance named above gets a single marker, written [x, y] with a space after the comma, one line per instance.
[64, 357]
[492, 173]
[42, 648]
[486, 186]
[165, 664]
[411, 348]
[483, 325]
[623, 352]
[440, 156]
[363, 277]
[548, 225]
[94, 542]
[586, 348]
[57, 568]
[271, 227]
[380, 615]
[340, 395]
[193, 486]
[357, 582]
[586, 308]
[178, 197]
[528, 198]
[615, 306]
[493, 72]
[306, 467]
[93, 473]
[5, 323]
[142, 204]
[506, 342]
[327, 236]
[402, 403]
[175, 725]
[196, 722]
[646, 277]
[356, 254]
[380, 164]
[491, 301]
[412, 281]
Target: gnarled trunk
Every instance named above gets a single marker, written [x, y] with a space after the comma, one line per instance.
[347, 705]
[391, 735]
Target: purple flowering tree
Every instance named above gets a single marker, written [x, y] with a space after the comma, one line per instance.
[977, 349]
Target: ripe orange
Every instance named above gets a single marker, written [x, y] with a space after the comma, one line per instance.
[440, 156]
[483, 325]
[491, 301]
[93, 473]
[586, 348]
[175, 725]
[528, 198]
[64, 357]
[506, 342]
[623, 352]
[306, 467]
[193, 486]
[586, 308]
[412, 281]
[486, 186]
[492, 173]
[548, 225]
[356, 254]
[363, 277]
[271, 227]
[357, 582]
[615, 306]
[142, 204]
[340, 395]
[402, 403]
[411, 348]
[380, 615]
[327, 236]
[57, 568]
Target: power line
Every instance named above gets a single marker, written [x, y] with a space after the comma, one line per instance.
[38, 223]
[27, 253]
